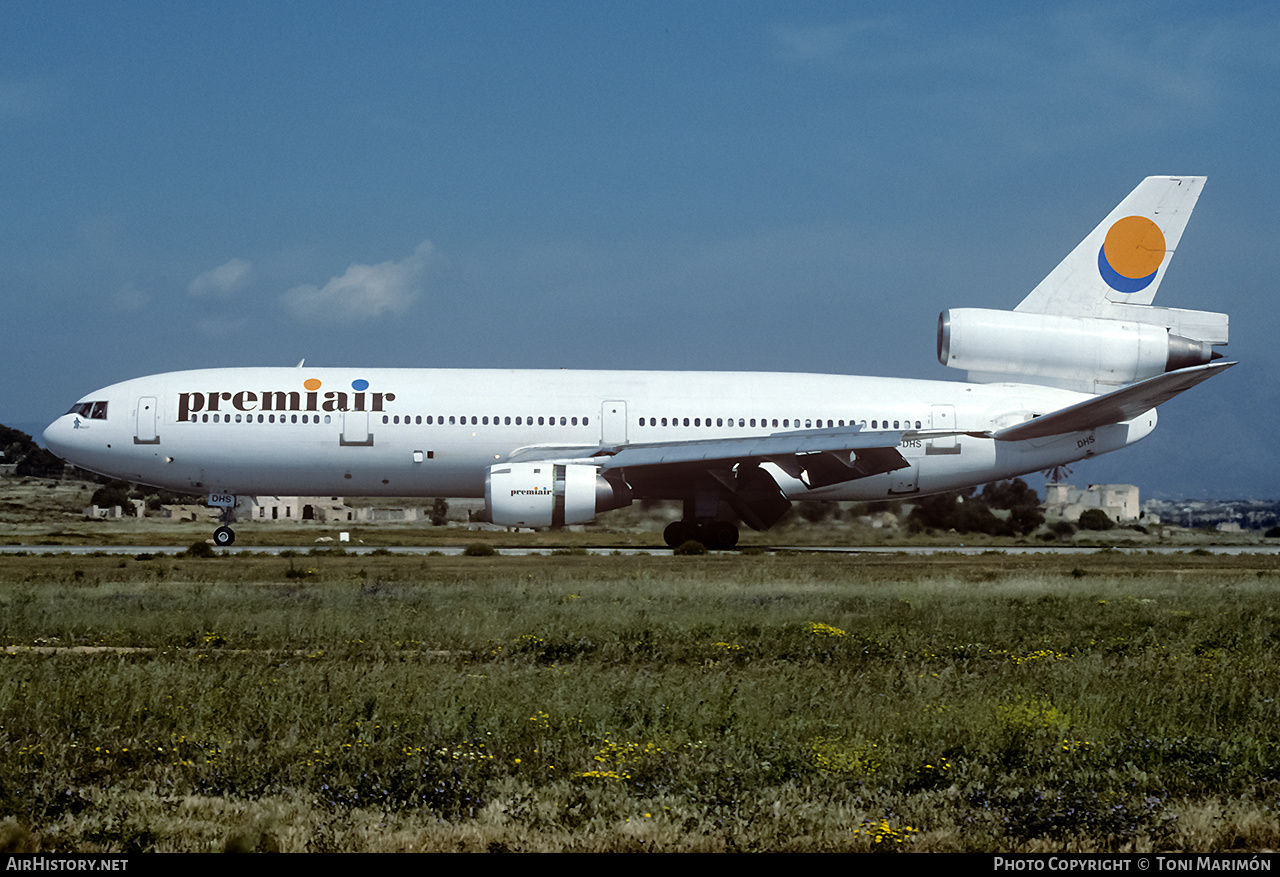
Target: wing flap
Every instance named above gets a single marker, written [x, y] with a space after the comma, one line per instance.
[1114, 407]
[769, 447]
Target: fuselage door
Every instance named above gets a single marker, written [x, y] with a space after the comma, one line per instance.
[613, 422]
[355, 430]
[145, 429]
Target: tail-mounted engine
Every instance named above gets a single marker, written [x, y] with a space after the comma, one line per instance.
[1068, 351]
[550, 494]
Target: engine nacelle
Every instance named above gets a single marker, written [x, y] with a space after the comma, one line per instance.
[549, 494]
[1007, 345]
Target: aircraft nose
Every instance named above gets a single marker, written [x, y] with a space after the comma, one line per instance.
[57, 437]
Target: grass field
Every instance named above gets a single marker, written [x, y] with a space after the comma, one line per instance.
[729, 702]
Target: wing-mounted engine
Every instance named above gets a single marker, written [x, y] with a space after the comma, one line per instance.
[1086, 353]
[545, 494]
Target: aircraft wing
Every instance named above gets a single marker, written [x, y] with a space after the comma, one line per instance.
[1114, 407]
[792, 450]
[730, 467]
[799, 443]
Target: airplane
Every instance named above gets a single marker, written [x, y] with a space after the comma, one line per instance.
[1075, 370]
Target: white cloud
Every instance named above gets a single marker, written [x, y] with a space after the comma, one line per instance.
[221, 282]
[799, 43]
[364, 291]
[132, 297]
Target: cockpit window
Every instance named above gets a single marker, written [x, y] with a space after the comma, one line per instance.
[92, 410]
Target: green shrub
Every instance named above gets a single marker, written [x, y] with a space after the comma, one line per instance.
[200, 549]
[1095, 519]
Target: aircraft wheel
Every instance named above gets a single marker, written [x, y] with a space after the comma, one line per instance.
[720, 535]
[679, 532]
[224, 536]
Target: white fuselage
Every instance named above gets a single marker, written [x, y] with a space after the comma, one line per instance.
[435, 432]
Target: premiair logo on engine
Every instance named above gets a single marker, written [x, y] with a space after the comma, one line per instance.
[308, 399]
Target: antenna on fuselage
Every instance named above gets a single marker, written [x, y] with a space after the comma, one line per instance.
[300, 362]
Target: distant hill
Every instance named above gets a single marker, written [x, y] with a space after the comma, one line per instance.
[34, 429]
[17, 446]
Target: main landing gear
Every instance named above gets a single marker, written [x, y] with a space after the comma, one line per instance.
[224, 536]
[716, 535]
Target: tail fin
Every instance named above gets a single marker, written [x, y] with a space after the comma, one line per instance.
[1090, 325]
[1123, 260]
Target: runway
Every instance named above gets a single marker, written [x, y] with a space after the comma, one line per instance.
[454, 550]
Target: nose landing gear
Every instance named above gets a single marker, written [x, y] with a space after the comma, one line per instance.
[224, 535]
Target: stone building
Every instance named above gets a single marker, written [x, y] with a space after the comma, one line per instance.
[1119, 501]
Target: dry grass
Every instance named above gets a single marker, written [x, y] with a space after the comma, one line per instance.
[808, 703]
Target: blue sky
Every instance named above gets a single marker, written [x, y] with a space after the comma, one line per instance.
[768, 186]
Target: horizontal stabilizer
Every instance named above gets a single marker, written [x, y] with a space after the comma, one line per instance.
[1114, 407]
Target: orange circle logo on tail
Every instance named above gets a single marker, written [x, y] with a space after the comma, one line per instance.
[1132, 254]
